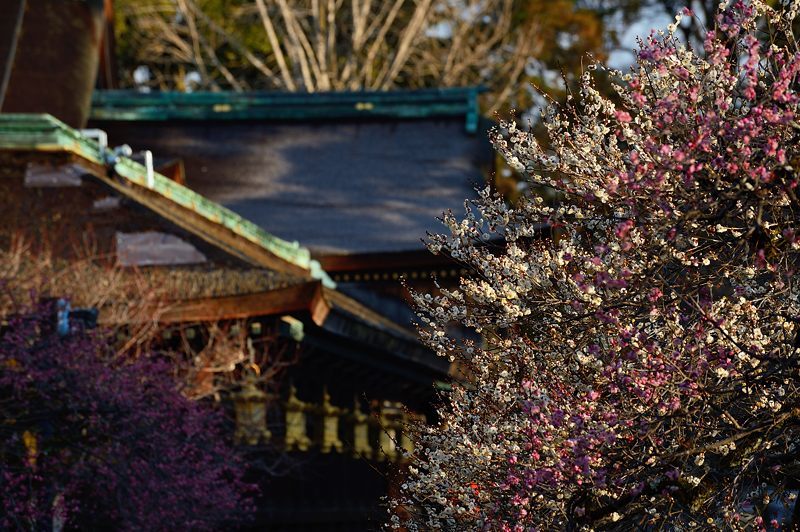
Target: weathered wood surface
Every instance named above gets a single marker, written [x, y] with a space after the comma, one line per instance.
[306, 297]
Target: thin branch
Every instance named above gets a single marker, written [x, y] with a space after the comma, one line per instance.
[286, 75]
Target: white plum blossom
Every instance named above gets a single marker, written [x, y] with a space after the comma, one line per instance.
[640, 347]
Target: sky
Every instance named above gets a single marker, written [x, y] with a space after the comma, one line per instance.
[653, 18]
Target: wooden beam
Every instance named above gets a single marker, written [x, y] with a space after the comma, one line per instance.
[421, 259]
[305, 297]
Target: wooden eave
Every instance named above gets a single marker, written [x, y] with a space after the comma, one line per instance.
[312, 297]
[334, 314]
[390, 266]
[414, 264]
[393, 261]
[298, 298]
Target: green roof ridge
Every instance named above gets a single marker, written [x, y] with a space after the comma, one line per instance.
[264, 105]
[46, 133]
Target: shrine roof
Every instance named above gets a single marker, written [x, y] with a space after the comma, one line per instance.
[343, 173]
[179, 204]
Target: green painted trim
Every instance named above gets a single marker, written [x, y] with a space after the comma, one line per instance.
[162, 106]
[473, 113]
[291, 327]
[443, 386]
[41, 132]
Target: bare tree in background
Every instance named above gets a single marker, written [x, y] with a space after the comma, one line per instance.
[328, 45]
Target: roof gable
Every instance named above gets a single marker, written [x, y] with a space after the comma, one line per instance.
[176, 203]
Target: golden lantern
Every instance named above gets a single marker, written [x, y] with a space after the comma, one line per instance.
[250, 404]
[390, 415]
[361, 446]
[296, 431]
[330, 424]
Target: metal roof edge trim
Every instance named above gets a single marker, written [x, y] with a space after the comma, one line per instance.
[43, 132]
[130, 105]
